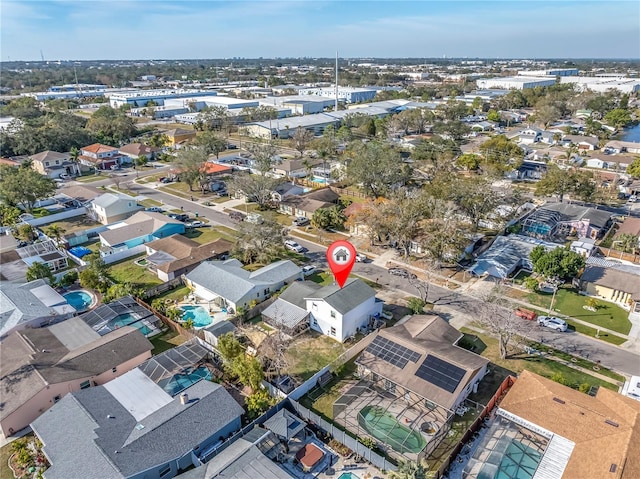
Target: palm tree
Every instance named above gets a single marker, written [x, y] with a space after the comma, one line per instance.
[55, 232]
[628, 242]
[410, 470]
[74, 158]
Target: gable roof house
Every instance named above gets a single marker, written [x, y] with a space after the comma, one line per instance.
[176, 255]
[581, 141]
[619, 284]
[102, 157]
[135, 150]
[610, 162]
[306, 204]
[563, 219]
[31, 305]
[335, 312]
[52, 164]
[131, 428]
[529, 136]
[110, 207]
[178, 136]
[295, 167]
[230, 286]
[559, 432]
[284, 190]
[415, 373]
[128, 237]
[41, 365]
[617, 146]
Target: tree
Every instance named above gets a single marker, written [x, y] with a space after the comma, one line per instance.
[501, 154]
[475, 198]
[444, 237]
[255, 187]
[74, 158]
[214, 118]
[328, 218]
[229, 347]
[546, 115]
[24, 108]
[211, 143]
[556, 181]
[301, 139]
[158, 140]
[141, 161]
[56, 232]
[111, 126]
[495, 314]
[26, 232]
[24, 187]
[493, 115]
[416, 305]
[634, 168]
[558, 263]
[258, 402]
[40, 270]
[377, 168]
[618, 118]
[469, 161]
[410, 470]
[190, 163]
[9, 215]
[258, 243]
[628, 243]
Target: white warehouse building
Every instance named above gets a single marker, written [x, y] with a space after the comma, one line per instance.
[556, 72]
[602, 84]
[142, 97]
[345, 94]
[514, 83]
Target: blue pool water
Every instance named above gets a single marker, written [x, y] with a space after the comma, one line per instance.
[179, 382]
[198, 314]
[348, 475]
[80, 300]
[128, 319]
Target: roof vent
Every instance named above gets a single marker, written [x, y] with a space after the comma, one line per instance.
[558, 400]
[184, 398]
[109, 416]
[139, 426]
[611, 423]
[613, 468]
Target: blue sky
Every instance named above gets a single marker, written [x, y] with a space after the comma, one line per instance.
[154, 29]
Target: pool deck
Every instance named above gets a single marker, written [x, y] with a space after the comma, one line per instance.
[215, 312]
[95, 299]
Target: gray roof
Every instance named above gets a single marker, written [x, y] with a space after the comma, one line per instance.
[613, 278]
[343, 300]
[297, 293]
[284, 424]
[283, 313]
[220, 328]
[228, 280]
[101, 428]
[31, 359]
[21, 303]
[141, 224]
[569, 212]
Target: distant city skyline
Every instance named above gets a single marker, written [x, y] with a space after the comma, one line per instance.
[145, 29]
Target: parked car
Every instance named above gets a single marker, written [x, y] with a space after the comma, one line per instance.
[154, 209]
[179, 217]
[65, 176]
[300, 221]
[361, 258]
[309, 270]
[632, 198]
[293, 246]
[403, 273]
[526, 314]
[553, 323]
[231, 146]
[255, 218]
[195, 224]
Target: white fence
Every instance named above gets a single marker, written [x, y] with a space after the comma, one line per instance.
[120, 255]
[63, 215]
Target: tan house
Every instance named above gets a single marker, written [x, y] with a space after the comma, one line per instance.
[135, 150]
[176, 255]
[102, 157]
[179, 135]
[109, 208]
[615, 285]
[39, 366]
[560, 432]
[52, 164]
[306, 205]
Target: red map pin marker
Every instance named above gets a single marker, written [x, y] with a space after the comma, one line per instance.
[341, 255]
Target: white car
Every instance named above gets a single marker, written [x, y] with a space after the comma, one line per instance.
[309, 270]
[65, 176]
[293, 246]
[361, 258]
[553, 323]
[195, 224]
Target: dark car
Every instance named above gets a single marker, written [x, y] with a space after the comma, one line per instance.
[403, 273]
[231, 146]
[179, 217]
[236, 216]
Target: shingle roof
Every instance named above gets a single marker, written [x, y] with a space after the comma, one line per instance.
[49, 156]
[569, 212]
[284, 424]
[99, 425]
[582, 419]
[98, 148]
[136, 149]
[343, 300]
[141, 224]
[613, 278]
[630, 226]
[285, 314]
[429, 336]
[184, 252]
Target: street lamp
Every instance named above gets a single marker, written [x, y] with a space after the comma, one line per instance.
[555, 288]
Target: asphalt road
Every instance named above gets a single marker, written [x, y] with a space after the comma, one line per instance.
[595, 350]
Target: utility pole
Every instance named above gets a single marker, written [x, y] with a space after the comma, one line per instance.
[336, 107]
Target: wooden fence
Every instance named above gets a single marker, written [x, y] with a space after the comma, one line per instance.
[616, 254]
[164, 287]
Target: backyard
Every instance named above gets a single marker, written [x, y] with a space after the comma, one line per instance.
[311, 352]
[569, 303]
[321, 399]
[75, 224]
[127, 271]
[166, 340]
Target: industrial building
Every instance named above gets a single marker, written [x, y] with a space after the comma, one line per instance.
[345, 94]
[554, 72]
[142, 97]
[514, 83]
[299, 104]
[602, 84]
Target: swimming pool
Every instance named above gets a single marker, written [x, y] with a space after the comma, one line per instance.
[199, 315]
[80, 300]
[128, 319]
[179, 382]
[518, 462]
[386, 428]
[348, 475]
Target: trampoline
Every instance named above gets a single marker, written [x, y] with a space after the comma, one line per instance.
[386, 428]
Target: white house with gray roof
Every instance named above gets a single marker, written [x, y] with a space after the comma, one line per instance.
[230, 286]
[30, 304]
[109, 208]
[131, 428]
[335, 312]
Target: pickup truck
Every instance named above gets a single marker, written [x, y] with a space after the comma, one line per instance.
[525, 314]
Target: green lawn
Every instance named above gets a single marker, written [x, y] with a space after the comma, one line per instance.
[150, 178]
[128, 272]
[149, 202]
[487, 347]
[90, 178]
[181, 189]
[310, 353]
[272, 215]
[206, 235]
[124, 191]
[167, 340]
[570, 303]
[322, 400]
[75, 224]
[173, 294]
[5, 454]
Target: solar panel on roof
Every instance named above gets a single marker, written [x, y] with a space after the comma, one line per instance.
[440, 373]
[391, 352]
